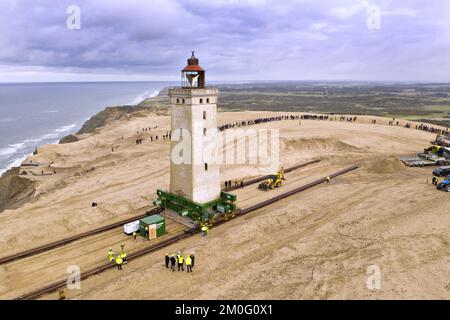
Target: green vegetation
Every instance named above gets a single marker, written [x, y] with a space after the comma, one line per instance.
[420, 102]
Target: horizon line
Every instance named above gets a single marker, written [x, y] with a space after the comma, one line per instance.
[236, 81]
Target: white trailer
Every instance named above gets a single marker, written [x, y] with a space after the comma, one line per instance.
[131, 227]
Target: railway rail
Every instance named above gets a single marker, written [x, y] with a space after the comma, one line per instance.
[68, 240]
[187, 233]
[152, 211]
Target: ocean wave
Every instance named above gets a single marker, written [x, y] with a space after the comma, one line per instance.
[144, 96]
[66, 128]
[7, 152]
[18, 152]
[14, 163]
[51, 111]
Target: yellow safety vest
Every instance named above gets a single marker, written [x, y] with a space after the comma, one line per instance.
[204, 228]
[119, 260]
[180, 259]
[123, 255]
[188, 261]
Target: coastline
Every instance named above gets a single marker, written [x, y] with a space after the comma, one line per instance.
[58, 134]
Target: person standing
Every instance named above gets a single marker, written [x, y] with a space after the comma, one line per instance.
[167, 261]
[111, 255]
[180, 262]
[328, 179]
[134, 235]
[204, 230]
[188, 264]
[119, 262]
[123, 256]
[172, 262]
[192, 259]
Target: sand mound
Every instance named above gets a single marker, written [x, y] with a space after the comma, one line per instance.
[317, 144]
[387, 165]
[15, 191]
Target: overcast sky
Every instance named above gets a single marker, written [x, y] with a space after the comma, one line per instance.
[234, 39]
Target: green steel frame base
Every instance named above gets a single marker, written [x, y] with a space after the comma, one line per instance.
[202, 212]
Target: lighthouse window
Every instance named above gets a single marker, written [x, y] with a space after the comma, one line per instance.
[206, 167]
[204, 131]
[204, 115]
[178, 100]
[182, 101]
[207, 100]
[201, 100]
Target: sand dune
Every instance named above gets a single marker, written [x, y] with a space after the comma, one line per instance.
[317, 244]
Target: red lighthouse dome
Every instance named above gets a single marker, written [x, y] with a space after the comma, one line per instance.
[193, 75]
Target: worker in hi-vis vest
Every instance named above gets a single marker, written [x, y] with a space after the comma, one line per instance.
[204, 230]
[119, 262]
[188, 264]
[123, 256]
[180, 263]
[111, 255]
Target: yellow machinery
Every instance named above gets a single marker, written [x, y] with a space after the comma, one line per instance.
[273, 181]
[433, 149]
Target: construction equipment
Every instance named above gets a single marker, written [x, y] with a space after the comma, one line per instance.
[433, 149]
[444, 185]
[201, 212]
[434, 155]
[273, 181]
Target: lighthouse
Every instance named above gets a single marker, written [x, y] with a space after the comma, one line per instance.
[195, 173]
[194, 190]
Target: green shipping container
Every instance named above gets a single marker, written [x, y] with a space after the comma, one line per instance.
[153, 226]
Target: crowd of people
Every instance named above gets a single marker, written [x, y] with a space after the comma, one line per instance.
[423, 127]
[171, 261]
[237, 184]
[121, 258]
[256, 121]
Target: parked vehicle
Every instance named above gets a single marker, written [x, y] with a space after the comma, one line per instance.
[131, 227]
[444, 185]
[441, 171]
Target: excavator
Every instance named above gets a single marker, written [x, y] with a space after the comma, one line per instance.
[273, 181]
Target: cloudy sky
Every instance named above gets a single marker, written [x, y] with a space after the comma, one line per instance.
[393, 40]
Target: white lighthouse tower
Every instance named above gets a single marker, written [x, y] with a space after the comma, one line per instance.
[194, 127]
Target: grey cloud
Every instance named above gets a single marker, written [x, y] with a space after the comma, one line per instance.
[254, 39]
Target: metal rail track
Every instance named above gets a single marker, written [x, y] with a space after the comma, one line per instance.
[187, 233]
[259, 179]
[156, 210]
[65, 241]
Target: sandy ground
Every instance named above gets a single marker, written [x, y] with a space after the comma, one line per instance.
[314, 245]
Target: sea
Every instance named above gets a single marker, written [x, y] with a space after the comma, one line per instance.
[34, 114]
